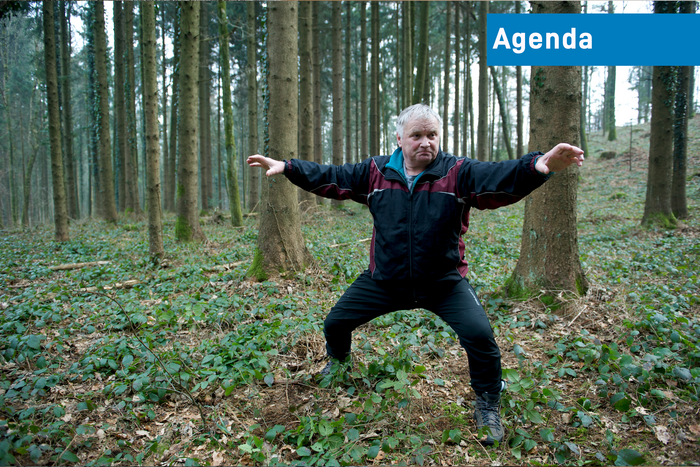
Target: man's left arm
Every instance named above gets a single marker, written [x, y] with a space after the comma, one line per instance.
[491, 185]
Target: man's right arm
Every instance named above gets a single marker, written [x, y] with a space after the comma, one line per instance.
[349, 181]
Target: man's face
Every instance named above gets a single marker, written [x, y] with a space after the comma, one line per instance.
[419, 143]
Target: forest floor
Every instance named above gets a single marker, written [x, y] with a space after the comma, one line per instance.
[192, 363]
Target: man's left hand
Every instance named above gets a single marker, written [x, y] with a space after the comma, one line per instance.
[559, 158]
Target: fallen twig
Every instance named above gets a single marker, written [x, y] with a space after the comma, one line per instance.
[350, 243]
[65, 267]
[118, 285]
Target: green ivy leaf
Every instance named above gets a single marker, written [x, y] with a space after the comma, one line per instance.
[629, 457]
[70, 457]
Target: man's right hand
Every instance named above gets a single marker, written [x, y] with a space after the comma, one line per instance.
[271, 166]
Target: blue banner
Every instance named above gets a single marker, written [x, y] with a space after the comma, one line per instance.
[593, 39]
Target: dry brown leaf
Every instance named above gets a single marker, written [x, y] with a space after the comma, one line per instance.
[695, 429]
[662, 434]
[217, 458]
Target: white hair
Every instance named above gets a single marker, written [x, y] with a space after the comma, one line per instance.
[419, 111]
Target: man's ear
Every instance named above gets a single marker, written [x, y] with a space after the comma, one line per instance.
[398, 140]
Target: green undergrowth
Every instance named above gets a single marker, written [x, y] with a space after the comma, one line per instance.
[193, 363]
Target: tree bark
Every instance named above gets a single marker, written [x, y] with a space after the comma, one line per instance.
[150, 84]
[106, 183]
[187, 227]
[467, 96]
[59, 193]
[519, 151]
[306, 93]
[549, 254]
[482, 146]
[234, 197]
[252, 82]
[281, 245]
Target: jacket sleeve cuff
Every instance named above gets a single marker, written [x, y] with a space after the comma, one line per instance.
[288, 168]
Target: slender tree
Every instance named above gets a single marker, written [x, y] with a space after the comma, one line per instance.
[364, 125]
[458, 60]
[164, 95]
[231, 171]
[337, 64]
[348, 84]
[121, 141]
[446, 75]
[187, 227]
[306, 93]
[204, 90]
[679, 202]
[106, 183]
[519, 101]
[170, 174]
[281, 245]
[150, 83]
[467, 95]
[67, 115]
[132, 179]
[374, 123]
[35, 146]
[657, 206]
[505, 125]
[549, 255]
[482, 146]
[252, 83]
[59, 193]
[422, 62]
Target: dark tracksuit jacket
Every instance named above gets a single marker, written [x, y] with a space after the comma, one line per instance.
[417, 253]
[417, 232]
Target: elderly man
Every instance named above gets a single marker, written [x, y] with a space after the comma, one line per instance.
[420, 199]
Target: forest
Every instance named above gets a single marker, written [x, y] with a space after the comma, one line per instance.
[161, 302]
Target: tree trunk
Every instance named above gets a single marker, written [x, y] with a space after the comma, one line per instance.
[407, 59]
[120, 140]
[422, 62]
[348, 83]
[446, 74]
[150, 84]
[35, 145]
[657, 206]
[281, 245]
[252, 82]
[204, 113]
[59, 194]
[466, 96]
[482, 146]
[549, 255]
[166, 153]
[337, 67]
[364, 125]
[610, 104]
[504, 113]
[170, 175]
[234, 198]
[458, 60]
[519, 151]
[316, 59]
[306, 93]
[132, 180]
[187, 226]
[106, 183]
[584, 107]
[71, 186]
[374, 91]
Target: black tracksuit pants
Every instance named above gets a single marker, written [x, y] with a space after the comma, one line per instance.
[452, 299]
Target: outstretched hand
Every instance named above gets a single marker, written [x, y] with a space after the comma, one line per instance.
[559, 158]
[271, 166]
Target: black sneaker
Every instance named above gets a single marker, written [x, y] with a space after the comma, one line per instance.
[327, 369]
[333, 363]
[487, 415]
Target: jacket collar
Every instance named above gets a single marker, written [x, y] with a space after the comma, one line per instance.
[396, 164]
